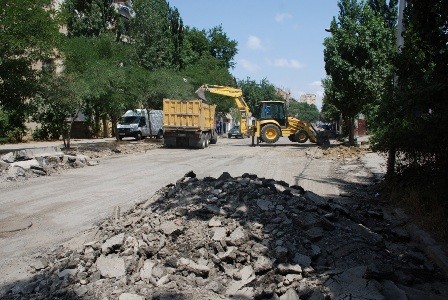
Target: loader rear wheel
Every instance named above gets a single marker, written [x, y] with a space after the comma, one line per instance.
[270, 133]
[301, 136]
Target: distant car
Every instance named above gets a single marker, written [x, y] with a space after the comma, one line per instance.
[234, 132]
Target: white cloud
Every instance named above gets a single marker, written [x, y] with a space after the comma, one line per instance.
[254, 43]
[316, 83]
[282, 17]
[249, 66]
[286, 63]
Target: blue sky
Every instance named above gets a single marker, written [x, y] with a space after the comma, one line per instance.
[280, 40]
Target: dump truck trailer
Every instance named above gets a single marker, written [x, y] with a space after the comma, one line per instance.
[188, 123]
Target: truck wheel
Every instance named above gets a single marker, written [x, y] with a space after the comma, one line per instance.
[301, 136]
[207, 139]
[201, 143]
[270, 133]
[213, 138]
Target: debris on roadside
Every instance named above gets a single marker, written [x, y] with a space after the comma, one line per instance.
[34, 162]
[100, 150]
[28, 163]
[240, 238]
[338, 152]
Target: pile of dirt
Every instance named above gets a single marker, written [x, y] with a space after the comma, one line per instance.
[338, 152]
[241, 238]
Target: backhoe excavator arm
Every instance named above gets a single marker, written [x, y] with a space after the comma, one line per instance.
[237, 96]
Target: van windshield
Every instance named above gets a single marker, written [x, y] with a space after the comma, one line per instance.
[130, 120]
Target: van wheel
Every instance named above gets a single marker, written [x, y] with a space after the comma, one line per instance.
[160, 134]
[138, 136]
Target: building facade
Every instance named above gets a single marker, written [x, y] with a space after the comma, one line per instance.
[308, 98]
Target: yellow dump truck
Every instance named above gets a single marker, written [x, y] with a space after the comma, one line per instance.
[188, 123]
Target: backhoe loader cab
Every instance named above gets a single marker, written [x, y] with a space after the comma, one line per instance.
[272, 110]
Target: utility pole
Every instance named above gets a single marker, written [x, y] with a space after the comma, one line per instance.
[400, 41]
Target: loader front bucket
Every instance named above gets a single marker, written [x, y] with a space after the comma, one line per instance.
[323, 140]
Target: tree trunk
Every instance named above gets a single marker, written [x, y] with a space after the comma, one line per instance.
[105, 127]
[97, 130]
[391, 159]
[351, 131]
[69, 129]
[113, 120]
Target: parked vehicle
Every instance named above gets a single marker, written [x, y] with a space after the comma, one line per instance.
[139, 123]
[235, 132]
[189, 123]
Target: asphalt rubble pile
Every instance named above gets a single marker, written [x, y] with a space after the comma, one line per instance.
[27, 163]
[241, 238]
[100, 150]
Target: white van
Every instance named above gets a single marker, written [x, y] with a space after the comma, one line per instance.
[139, 123]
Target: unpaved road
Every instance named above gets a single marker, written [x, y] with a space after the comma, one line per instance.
[61, 206]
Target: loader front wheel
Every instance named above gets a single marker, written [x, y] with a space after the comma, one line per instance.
[301, 136]
[292, 138]
[270, 133]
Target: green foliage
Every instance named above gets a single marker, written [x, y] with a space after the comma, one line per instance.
[56, 104]
[196, 46]
[329, 112]
[358, 58]
[303, 111]
[388, 11]
[221, 47]
[419, 103]
[87, 18]
[254, 92]
[28, 31]
[151, 32]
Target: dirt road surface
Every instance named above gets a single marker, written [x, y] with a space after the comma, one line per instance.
[59, 207]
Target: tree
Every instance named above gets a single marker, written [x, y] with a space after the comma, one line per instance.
[358, 59]
[221, 47]
[88, 18]
[56, 106]
[303, 111]
[419, 101]
[152, 35]
[254, 92]
[31, 32]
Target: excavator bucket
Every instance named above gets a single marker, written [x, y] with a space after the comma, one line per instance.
[201, 93]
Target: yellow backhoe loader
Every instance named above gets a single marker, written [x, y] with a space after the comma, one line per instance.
[271, 119]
